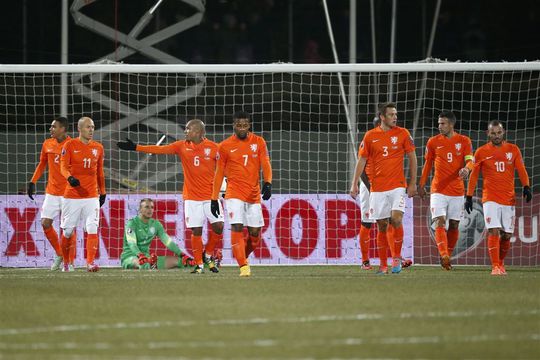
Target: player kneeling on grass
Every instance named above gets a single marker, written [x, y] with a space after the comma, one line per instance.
[138, 235]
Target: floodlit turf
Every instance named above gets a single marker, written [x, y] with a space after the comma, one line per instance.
[295, 312]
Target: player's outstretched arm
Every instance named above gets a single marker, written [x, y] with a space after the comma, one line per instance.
[127, 145]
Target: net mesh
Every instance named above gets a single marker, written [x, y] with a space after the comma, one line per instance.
[310, 219]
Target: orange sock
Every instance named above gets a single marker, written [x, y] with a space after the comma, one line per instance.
[364, 242]
[65, 249]
[505, 246]
[197, 245]
[91, 248]
[452, 235]
[73, 247]
[390, 238]
[238, 247]
[213, 240]
[441, 241]
[493, 249]
[251, 243]
[397, 234]
[382, 245]
[52, 236]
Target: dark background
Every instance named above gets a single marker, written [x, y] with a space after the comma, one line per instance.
[244, 31]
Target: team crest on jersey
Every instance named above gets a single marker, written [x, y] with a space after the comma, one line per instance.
[393, 139]
[94, 152]
[458, 146]
[207, 152]
[509, 156]
[253, 147]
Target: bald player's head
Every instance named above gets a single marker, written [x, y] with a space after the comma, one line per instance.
[86, 128]
[194, 130]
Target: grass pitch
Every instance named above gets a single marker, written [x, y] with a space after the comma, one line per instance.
[294, 312]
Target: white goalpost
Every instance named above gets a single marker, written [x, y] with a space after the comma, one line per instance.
[299, 109]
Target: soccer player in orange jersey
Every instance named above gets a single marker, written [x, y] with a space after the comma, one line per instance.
[198, 156]
[497, 161]
[242, 156]
[56, 184]
[365, 228]
[385, 146]
[82, 165]
[452, 155]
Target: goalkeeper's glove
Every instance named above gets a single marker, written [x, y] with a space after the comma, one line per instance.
[142, 259]
[102, 199]
[31, 190]
[468, 204]
[266, 191]
[214, 208]
[188, 261]
[527, 194]
[73, 181]
[127, 145]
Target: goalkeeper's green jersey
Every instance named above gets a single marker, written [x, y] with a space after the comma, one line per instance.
[138, 236]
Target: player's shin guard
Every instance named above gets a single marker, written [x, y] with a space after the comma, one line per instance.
[238, 247]
[452, 236]
[397, 234]
[493, 249]
[52, 236]
[196, 243]
[504, 248]
[213, 241]
[441, 241]
[251, 244]
[382, 245]
[73, 247]
[65, 249]
[91, 248]
[364, 242]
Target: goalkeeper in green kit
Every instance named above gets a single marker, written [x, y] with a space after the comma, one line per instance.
[138, 235]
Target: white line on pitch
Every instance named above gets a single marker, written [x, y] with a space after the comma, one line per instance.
[261, 321]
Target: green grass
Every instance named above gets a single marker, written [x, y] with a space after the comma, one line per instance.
[296, 312]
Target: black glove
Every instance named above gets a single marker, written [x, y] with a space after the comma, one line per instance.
[31, 190]
[102, 199]
[127, 145]
[73, 181]
[468, 204]
[527, 194]
[214, 208]
[266, 191]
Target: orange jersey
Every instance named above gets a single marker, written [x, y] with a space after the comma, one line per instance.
[50, 156]
[241, 161]
[85, 163]
[368, 169]
[497, 165]
[449, 156]
[198, 162]
[385, 151]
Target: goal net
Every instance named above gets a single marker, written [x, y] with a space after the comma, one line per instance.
[312, 117]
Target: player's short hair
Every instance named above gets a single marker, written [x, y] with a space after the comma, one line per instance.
[145, 200]
[241, 115]
[449, 115]
[495, 123]
[63, 121]
[383, 107]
